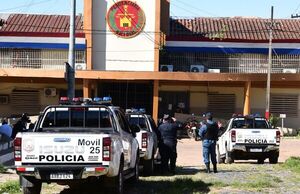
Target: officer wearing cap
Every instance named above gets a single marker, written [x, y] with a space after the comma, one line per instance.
[20, 126]
[209, 134]
[168, 152]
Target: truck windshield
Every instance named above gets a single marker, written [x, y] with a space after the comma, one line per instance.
[139, 120]
[250, 123]
[77, 117]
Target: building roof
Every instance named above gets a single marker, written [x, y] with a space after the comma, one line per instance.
[38, 24]
[233, 29]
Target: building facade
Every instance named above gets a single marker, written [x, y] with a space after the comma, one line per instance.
[138, 55]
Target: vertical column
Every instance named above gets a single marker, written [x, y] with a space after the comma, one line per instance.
[86, 88]
[155, 100]
[247, 108]
[88, 29]
[157, 34]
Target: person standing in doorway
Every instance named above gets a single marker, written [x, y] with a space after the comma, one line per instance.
[209, 134]
[168, 151]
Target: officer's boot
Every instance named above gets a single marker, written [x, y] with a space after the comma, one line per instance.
[215, 168]
[207, 168]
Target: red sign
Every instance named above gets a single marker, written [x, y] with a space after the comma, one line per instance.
[126, 19]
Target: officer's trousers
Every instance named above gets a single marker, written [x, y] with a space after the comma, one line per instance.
[209, 151]
[168, 154]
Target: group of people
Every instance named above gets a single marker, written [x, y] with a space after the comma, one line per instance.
[11, 132]
[168, 142]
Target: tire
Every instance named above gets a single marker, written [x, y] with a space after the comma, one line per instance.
[31, 187]
[119, 180]
[148, 167]
[135, 178]
[219, 159]
[190, 133]
[228, 157]
[260, 161]
[273, 160]
[36, 189]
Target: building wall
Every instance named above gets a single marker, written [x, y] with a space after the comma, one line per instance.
[111, 52]
[199, 100]
[6, 89]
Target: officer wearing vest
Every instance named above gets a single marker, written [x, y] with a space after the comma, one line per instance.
[209, 134]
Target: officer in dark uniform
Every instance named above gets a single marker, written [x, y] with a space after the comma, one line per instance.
[20, 126]
[168, 151]
[209, 134]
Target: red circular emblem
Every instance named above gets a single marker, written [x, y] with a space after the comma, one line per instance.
[126, 19]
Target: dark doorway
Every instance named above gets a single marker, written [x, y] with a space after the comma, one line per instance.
[129, 94]
[171, 102]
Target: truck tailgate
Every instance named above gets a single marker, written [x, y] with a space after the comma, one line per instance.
[59, 148]
[256, 136]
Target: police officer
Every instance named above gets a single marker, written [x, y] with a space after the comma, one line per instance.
[209, 134]
[20, 126]
[168, 152]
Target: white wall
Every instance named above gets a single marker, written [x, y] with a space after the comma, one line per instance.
[108, 49]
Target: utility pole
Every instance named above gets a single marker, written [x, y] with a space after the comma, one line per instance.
[71, 73]
[267, 113]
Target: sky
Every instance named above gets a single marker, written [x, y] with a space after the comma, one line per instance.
[179, 8]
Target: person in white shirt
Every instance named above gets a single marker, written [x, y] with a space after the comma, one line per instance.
[5, 129]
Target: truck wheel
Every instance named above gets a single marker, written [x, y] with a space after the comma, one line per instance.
[273, 159]
[219, 159]
[228, 157]
[31, 187]
[119, 180]
[261, 161]
[136, 169]
[149, 166]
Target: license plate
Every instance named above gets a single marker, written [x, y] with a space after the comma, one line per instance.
[61, 176]
[255, 150]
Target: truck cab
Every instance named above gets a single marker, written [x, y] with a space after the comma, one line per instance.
[248, 137]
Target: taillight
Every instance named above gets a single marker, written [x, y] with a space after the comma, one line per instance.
[278, 136]
[106, 149]
[18, 148]
[233, 136]
[144, 140]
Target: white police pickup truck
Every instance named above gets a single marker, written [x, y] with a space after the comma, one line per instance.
[147, 137]
[74, 143]
[248, 137]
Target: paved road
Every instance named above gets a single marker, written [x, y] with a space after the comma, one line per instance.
[190, 152]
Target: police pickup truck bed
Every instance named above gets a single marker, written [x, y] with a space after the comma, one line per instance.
[77, 143]
[248, 138]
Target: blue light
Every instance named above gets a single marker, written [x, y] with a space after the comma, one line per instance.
[97, 99]
[107, 99]
[142, 110]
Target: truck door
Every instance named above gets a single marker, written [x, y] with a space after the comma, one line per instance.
[126, 138]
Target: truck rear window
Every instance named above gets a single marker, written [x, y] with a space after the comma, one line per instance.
[250, 123]
[138, 120]
[77, 117]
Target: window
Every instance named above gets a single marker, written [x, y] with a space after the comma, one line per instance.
[139, 120]
[250, 123]
[122, 121]
[78, 117]
[284, 104]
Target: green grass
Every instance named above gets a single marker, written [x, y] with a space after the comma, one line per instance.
[292, 164]
[2, 169]
[10, 187]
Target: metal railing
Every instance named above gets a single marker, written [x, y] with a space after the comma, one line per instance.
[229, 63]
[37, 59]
